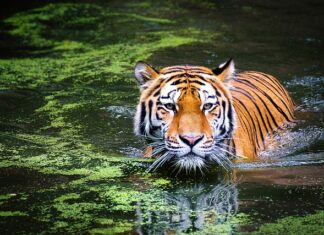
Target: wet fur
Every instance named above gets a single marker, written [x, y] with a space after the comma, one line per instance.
[248, 107]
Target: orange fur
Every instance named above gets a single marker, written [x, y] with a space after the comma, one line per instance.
[257, 122]
[261, 104]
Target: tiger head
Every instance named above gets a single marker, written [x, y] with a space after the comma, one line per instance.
[186, 112]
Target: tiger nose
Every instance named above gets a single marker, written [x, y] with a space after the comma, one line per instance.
[191, 140]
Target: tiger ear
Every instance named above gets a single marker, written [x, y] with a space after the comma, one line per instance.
[144, 73]
[225, 70]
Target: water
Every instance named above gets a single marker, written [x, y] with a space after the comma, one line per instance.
[69, 160]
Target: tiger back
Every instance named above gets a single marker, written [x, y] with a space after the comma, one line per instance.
[262, 106]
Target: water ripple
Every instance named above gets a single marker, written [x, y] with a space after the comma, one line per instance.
[308, 92]
[119, 111]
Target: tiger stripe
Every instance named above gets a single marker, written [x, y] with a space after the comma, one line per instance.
[272, 106]
[246, 109]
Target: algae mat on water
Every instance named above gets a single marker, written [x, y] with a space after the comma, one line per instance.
[67, 96]
[63, 63]
[310, 224]
[76, 58]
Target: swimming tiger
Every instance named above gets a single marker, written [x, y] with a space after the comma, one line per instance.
[194, 115]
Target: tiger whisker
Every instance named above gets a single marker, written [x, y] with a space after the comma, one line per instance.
[200, 168]
[232, 138]
[160, 161]
[225, 146]
[174, 166]
[224, 150]
[155, 163]
[216, 158]
[229, 151]
[157, 143]
[221, 159]
[155, 154]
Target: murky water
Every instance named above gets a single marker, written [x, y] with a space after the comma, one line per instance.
[69, 160]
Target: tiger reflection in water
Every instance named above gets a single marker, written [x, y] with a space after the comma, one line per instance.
[199, 207]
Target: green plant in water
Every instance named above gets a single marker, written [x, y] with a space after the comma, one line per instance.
[309, 224]
[77, 61]
[12, 213]
[69, 79]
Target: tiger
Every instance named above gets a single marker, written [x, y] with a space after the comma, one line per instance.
[194, 116]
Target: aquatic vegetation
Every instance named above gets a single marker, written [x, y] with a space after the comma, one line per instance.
[12, 213]
[109, 226]
[228, 227]
[161, 182]
[67, 98]
[79, 63]
[76, 75]
[309, 224]
[6, 196]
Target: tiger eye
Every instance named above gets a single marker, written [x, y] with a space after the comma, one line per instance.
[170, 106]
[207, 106]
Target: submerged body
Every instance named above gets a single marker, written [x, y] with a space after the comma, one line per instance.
[196, 115]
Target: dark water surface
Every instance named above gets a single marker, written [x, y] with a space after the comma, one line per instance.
[69, 160]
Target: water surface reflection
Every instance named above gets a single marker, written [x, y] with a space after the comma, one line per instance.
[200, 206]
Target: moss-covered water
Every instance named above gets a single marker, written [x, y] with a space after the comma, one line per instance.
[69, 160]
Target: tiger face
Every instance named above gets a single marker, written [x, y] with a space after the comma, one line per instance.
[186, 112]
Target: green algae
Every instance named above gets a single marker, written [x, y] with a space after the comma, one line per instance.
[56, 21]
[117, 229]
[80, 58]
[12, 213]
[161, 182]
[65, 197]
[125, 199]
[309, 224]
[106, 173]
[109, 226]
[29, 26]
[5, 198]
[141, 17]
[63, 158]
[80, 211]
[79, 215]
[69, 79]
